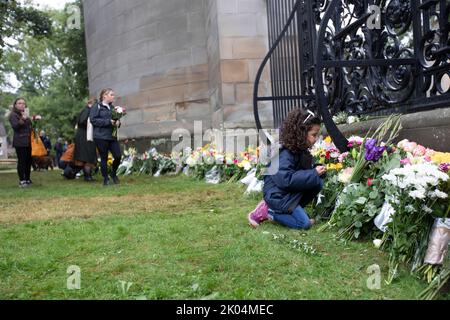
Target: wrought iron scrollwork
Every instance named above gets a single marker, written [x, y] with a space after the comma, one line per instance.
[325, 54]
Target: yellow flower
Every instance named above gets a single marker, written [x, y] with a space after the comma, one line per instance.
[441, 157]
[110, 160]
[206, 147]
[243, 164]
[337, 167]
[328, 139]
[317, 152]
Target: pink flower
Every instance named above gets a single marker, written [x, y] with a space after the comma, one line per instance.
[430, 152]
[409, 147]
[403, 143]
[427, 159]
[346, 175]
[419, 151]
[343, 156]
[406, 161]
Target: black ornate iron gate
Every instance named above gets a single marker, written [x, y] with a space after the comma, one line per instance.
[360, 56]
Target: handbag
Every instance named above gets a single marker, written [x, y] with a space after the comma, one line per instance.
[37, 146]
[90, 131]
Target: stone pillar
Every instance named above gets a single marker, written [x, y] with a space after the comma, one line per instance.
[173, 62]
[242, 43]
[153, 54]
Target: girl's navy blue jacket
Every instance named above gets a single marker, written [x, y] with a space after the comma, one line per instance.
[296, 176]
[100, 117]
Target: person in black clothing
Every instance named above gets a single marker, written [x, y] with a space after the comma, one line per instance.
[46, 141]
[101, 119]
[22, 127]
[85, 154]
[59, 151]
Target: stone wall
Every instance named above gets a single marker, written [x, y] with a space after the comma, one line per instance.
[429, 128]
[153, 54]
[243, 38]
[173, 62]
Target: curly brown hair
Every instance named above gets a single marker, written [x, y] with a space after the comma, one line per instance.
[295, 130]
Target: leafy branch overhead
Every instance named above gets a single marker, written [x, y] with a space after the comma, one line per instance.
[49, 62]
[17, 20]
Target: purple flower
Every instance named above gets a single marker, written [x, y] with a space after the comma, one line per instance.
[445, 167]
[373, 152]
[370, 144]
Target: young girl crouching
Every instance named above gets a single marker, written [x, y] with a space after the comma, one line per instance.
[297, 182]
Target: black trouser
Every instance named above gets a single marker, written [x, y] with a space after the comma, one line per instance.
[24, 163]
[104, 146]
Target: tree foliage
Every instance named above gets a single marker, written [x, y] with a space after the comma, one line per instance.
[51, 70]
[17, 20]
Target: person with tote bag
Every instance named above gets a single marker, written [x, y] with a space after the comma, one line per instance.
[85, 154]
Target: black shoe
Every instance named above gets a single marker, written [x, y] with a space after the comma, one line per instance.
[116, 180]
[106, 182]
[23, 184]
[88, 179]
[29, 182]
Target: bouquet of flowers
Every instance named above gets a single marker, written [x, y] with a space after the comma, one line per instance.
[372, 149]
[412, 192]
[34, 125]
[117, 114]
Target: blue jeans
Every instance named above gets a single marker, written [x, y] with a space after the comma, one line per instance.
[299, 219]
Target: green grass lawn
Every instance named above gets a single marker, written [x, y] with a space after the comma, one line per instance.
[172, 238]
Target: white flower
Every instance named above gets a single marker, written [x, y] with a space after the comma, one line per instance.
[410, 208]
[220, 158]
[417, 194]
[229, 159]
[403, 143]
[118, 109]
[390, 177]
[335, 155]
[440, 194]
[352, 119]
[209, 159]
[427, 209]
[433, 181]
[402, 184]
[345, 176]
[191, 162]
[377, 243]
